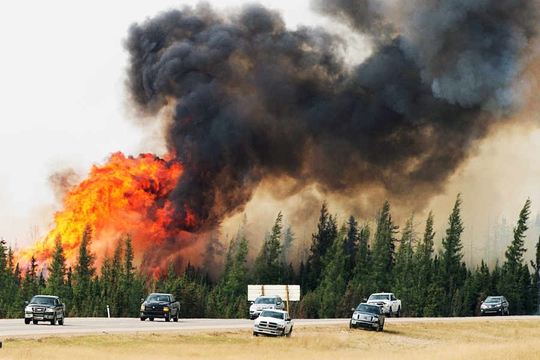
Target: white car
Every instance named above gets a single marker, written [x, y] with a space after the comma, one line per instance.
[265, 302]
[273, 322]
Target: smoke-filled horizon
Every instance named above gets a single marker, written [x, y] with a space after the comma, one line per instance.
[253, 100]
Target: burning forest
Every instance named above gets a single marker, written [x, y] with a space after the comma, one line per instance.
[251, 101]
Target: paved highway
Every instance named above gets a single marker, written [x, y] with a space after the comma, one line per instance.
[12, 328]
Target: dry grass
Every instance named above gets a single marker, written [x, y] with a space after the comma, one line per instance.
[435, 340]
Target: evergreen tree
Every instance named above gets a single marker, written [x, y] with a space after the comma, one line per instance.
[30, 282]
[516, 275]
[350, 246]
[404, 282]
[56, 281]
[423, 273]
[536, 278]
[229, 297]
[321, 242]
[288, 239]
[268, 266]
[333, 280]
[83, 277]
[383, 254]
[451, 255]
[131, 288]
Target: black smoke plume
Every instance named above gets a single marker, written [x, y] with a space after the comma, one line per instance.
[254, 100]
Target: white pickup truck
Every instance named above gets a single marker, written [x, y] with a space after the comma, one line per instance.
[388, 302]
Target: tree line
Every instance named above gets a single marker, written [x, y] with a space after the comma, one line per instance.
[344, 264]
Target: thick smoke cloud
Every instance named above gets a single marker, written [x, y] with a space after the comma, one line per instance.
[253, 100]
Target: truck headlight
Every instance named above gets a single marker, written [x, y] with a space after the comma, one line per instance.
[165, 309]
[143, 307]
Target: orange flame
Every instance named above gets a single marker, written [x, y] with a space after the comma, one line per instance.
[127, 195]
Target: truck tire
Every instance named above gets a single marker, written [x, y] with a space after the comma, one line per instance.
[398, 314]
[27, 321]
[290, 333]
[53, 321]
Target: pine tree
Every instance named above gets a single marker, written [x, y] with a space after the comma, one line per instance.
[451, 255]
[516, 275]
[30, 282]
[333, 282]
[536, 278]
[321, 242]
[57, 271]
[423, 273]
[350, 246]
[268, 266]
[383, 254]
[83, 276]
[404, 282]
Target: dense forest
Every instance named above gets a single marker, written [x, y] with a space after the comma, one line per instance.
[344, 264]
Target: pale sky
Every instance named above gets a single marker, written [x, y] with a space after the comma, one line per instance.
[62, 106]
[62, 95]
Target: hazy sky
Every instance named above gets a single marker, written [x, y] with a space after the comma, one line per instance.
[62, 106]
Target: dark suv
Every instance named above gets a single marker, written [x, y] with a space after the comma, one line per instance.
[159, 305]
[45, 308]
[495, 305]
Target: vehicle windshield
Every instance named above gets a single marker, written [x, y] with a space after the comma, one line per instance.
[157, 297]
[40, 300]
[262, 300]
[379, 297]
[274, 314]
[373, 309]
[493, 299]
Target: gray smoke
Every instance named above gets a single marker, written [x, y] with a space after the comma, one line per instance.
[254, 100]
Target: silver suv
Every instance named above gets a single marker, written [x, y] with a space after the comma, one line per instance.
[265, 302]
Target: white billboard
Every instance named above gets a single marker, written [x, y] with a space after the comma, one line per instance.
[286, 292]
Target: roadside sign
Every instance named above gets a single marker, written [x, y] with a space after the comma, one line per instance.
[286, 292]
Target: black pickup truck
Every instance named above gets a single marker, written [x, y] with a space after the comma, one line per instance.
[159, 305]
[45, 308]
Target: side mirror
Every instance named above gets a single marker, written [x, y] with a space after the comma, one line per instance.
[142, 300]
[365, 299]
[352, 309]
[252, 303]
[26, 303]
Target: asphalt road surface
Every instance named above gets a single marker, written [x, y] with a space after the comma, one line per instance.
[16, 328]
[11, 328]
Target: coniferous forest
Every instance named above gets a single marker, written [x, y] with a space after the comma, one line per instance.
[344, 264]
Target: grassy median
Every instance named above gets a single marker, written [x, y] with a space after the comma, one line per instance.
[433, 340]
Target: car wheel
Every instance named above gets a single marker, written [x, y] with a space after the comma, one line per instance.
[289, 333]
[143, 318]
[398, 314]
[151, 319]
[350, 325]
[255, 333]
[27, 321]
[167, 317]
[53, 321]
[390, 313]
[175, 319]
[61, 320]
[35, 322]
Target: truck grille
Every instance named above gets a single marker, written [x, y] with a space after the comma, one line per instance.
[268, 325]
